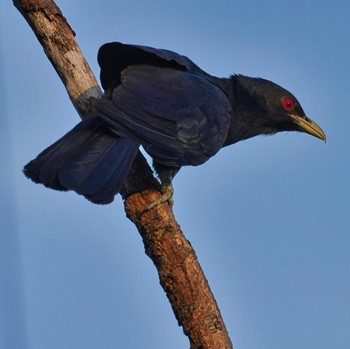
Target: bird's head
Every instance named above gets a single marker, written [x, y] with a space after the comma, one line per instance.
[267, 108]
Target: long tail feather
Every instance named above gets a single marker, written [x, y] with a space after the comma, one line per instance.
[89, 159]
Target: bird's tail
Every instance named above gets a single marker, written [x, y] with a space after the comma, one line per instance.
[89, 159]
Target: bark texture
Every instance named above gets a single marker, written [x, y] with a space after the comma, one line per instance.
[179, 270]
[58, 41]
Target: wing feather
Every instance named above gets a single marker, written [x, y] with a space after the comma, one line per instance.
[172, 112]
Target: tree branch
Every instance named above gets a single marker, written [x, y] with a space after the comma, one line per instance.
[179, 271]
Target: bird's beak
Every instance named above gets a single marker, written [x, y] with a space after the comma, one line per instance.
[309, 126]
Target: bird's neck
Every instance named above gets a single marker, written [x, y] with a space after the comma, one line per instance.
[242, 127]
[246, 121]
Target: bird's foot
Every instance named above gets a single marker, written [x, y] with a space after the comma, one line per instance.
[168, 192]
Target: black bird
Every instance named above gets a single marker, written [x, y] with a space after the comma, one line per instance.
[179, 114]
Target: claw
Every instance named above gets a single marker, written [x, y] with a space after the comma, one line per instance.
[168, 192]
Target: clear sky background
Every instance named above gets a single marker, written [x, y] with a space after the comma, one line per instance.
[269, 217]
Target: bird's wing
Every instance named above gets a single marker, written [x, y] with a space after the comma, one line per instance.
[114, 57]
[179, 117]
[171, 56]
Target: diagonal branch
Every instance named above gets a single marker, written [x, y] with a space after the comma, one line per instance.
[179, 271]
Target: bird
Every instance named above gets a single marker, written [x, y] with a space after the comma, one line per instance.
[178, 113]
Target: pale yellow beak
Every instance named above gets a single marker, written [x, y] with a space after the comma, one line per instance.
[309, 127]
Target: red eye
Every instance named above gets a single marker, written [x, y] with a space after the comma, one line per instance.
[288, 104]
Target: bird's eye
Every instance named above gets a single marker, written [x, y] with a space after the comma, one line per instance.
[288, 104]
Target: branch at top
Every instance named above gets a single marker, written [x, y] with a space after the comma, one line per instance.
[58, 41]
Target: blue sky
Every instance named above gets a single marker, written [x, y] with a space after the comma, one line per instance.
[269, 218]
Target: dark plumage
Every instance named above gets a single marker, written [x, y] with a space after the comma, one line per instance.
[180, 115]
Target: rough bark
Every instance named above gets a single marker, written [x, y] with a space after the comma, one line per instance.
[179, 270]
[58, 41]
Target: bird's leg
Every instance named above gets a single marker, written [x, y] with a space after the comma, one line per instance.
[165, 175]
[168, 192]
